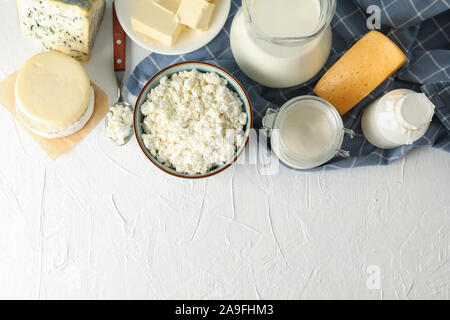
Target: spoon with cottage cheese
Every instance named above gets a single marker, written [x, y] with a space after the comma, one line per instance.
[119, 123]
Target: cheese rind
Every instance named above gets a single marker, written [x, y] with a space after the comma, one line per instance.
[72, 129]
[68, 26]
[196, 14]
[53, 93]
[157, 22]
[360, 71]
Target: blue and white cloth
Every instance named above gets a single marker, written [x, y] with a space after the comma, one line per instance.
[420, 27]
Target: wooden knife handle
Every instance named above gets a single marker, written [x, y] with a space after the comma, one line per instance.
[120, 48]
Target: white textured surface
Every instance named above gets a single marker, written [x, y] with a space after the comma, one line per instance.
[102, 222]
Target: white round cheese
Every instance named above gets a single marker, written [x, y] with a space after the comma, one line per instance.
[53, 95]
[74, 128]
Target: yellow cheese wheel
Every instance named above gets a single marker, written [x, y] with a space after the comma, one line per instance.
[360, 71]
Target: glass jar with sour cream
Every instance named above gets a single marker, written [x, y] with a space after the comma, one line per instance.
[306, 132]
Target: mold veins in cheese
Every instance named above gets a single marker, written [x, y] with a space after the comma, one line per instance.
[68, 26]
[361, 70]
[53, 94]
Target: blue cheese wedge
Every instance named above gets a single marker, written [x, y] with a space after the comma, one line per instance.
[67, 26]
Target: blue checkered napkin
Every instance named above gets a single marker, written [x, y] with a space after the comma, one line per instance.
[420, 27]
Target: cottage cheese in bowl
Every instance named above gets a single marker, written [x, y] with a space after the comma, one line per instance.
[193, 122]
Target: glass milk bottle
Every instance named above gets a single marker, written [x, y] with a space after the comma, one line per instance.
[282, 43]
[400, 117]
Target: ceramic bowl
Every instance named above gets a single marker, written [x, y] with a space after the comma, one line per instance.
[201, 67]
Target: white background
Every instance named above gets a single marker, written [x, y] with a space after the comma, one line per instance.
[102, 222]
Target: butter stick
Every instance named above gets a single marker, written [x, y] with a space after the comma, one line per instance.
[170, 5]
[196, 14]
[156, 22]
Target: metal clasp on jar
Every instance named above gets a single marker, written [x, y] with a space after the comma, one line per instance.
[268, 122]
[344, 153]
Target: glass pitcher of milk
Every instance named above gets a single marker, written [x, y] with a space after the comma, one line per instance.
[282, 43]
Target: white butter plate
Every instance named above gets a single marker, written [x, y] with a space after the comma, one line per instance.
[190, 40]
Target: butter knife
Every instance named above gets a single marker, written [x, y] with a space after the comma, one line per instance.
[120, 51]
[119, 38]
